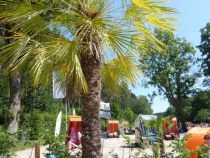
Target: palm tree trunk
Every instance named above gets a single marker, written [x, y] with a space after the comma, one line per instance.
[91, 142]
[14, 102]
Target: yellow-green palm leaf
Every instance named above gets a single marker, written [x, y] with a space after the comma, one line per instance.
[53, 35]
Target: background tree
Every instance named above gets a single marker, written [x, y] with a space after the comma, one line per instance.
[195, 107]
[200, 102]
[203, 116]
[205, 49]
[129, 116]
[140, 105]
[116, 111]
[170, 70]
[126, 99]
[4, 100]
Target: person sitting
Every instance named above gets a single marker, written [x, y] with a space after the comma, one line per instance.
[207, 142]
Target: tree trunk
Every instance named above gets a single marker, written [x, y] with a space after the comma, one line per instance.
[91, 142]
[14, 102]
[180, 117]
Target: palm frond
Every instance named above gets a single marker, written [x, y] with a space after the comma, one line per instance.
[118, 71]
[11, 52]
[82, 27]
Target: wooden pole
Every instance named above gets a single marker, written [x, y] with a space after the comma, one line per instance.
[37, 151]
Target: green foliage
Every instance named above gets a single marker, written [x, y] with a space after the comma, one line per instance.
[32, 98]
[38, 98]
[35, 27]
[4, 92]
[6, 143]
[170, 70]
[113, 155]
[178, 147]
[103, 124]
[140, 151]
[156, 150]
[129, 115]
[56, 146]
[170, 111]
[125, 99]
[34, 125]
[140, 105]
[204, 48]
[4, 99]
[203, 116]
[115, 111]
[128, 140]
[195, 108]
[203, 151]
[5, 115]
[199, 103]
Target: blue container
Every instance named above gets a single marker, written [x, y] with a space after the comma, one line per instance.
[51, 156]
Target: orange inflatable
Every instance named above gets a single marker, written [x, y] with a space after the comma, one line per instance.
[195, 139]
[112, 127]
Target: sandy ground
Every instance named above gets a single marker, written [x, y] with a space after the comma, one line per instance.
[29, 153]
[117, 146]
[110, 146]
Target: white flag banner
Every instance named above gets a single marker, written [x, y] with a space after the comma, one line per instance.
[104, 106]
[58, 90]
[58, 124]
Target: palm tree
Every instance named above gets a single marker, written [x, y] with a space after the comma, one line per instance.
[78, 39]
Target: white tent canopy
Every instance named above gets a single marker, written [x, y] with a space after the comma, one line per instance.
[147, 117]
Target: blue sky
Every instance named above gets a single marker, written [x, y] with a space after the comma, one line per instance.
[191, 17]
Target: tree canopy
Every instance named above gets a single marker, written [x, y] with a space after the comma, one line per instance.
[204, 47]
[170, 70]
[126, 99]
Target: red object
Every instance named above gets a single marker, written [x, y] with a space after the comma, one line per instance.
[112, 126]
[74, 126]
[170, 127]
[196, 139]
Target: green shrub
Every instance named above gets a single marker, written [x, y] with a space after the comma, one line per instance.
[56, 146]
[103, 123]
[203, 151]
[34, 125]
[6, 143]
[5, 115]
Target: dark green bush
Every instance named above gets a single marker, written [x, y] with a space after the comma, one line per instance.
[56, 146]
[36, 124]
[6, 142]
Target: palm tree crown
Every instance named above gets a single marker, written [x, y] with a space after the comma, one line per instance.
[54, 34]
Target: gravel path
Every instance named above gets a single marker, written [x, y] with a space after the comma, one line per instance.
[118, 147]
[110, 147]
[29, 153]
